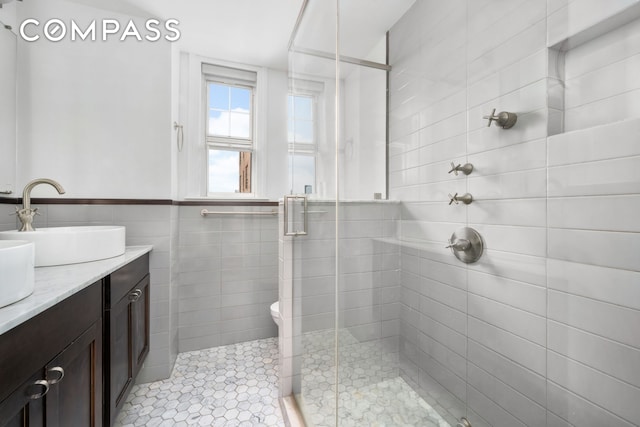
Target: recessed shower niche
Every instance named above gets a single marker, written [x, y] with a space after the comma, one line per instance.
[593, 68]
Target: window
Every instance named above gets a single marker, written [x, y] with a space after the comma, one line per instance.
[302, 143]
[229, 95]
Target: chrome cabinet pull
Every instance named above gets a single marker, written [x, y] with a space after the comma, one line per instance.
[38, 395]
[135, 295]
[60, 373]
[286, 215]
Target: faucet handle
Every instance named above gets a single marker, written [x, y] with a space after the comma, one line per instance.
[491, 117]
[467, 168]
[23, 211]
[504, 119]
[466, 198]
[459, 244]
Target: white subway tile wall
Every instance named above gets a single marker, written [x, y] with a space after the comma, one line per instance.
[541, 331]
[145, 225]
[7, 220]
[228, 276]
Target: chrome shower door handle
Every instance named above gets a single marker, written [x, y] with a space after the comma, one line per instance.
[305, 222]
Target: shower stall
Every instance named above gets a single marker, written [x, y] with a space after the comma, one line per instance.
[397, 151]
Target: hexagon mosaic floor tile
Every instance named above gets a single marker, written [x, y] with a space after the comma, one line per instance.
[229, 386]
[371, 392]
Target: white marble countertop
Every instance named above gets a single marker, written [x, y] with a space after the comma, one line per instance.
[53, 284]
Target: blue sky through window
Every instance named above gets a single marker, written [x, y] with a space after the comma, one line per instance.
[224, 171]
[300, 122]
[229, 111]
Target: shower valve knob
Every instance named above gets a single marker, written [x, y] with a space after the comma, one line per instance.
[467, 168]
[465, 198]
[459, 245]
[466, 244]
[504, 119]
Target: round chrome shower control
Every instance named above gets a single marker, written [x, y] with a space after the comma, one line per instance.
[466, 244]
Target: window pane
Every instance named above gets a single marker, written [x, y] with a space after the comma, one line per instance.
[303, 131]
[302, 172]
[290, 130]
[290, 106]
[240, 99]
[229, 171]
[240, 125]
[218, 96]
[218, 123]
[303, 108]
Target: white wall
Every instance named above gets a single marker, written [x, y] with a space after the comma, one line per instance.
[95, 116]
[276, 148]
[8, 53]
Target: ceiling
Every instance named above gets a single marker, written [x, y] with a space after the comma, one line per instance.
[257, 32]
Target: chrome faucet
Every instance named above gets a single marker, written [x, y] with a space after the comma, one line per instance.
[26, 214]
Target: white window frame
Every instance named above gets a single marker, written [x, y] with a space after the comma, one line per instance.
[230, 143]
[306, 149]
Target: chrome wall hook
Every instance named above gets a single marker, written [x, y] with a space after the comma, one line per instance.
[504, 119]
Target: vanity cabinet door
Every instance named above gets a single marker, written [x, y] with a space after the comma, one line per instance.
[66, 392]
[120, 369]
[75, 378]
[126, 332]
[140, 324]
[25, 406]
[66, 336]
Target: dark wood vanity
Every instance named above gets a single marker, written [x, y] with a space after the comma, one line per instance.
[126, 330]
[74, 364]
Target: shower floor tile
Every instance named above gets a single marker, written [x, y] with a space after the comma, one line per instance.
[371, 392]
[234, 385]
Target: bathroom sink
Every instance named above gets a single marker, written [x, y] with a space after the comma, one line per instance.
[16, 270]
[72, 245]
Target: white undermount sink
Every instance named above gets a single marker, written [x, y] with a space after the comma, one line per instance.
[16, 270]
[72, 245]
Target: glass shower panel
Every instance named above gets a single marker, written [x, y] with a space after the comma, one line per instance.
[312, 174]
[423, 287]
[402, 305]
[380, 331]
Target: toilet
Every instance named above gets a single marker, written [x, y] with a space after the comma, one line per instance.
[275, 312]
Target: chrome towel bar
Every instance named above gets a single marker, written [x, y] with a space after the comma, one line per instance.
[205, 212]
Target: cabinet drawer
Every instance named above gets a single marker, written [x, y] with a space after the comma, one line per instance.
[121, 281]
[30, 346]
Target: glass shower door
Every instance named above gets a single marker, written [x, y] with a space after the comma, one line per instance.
[379, 306]
[311, 204]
